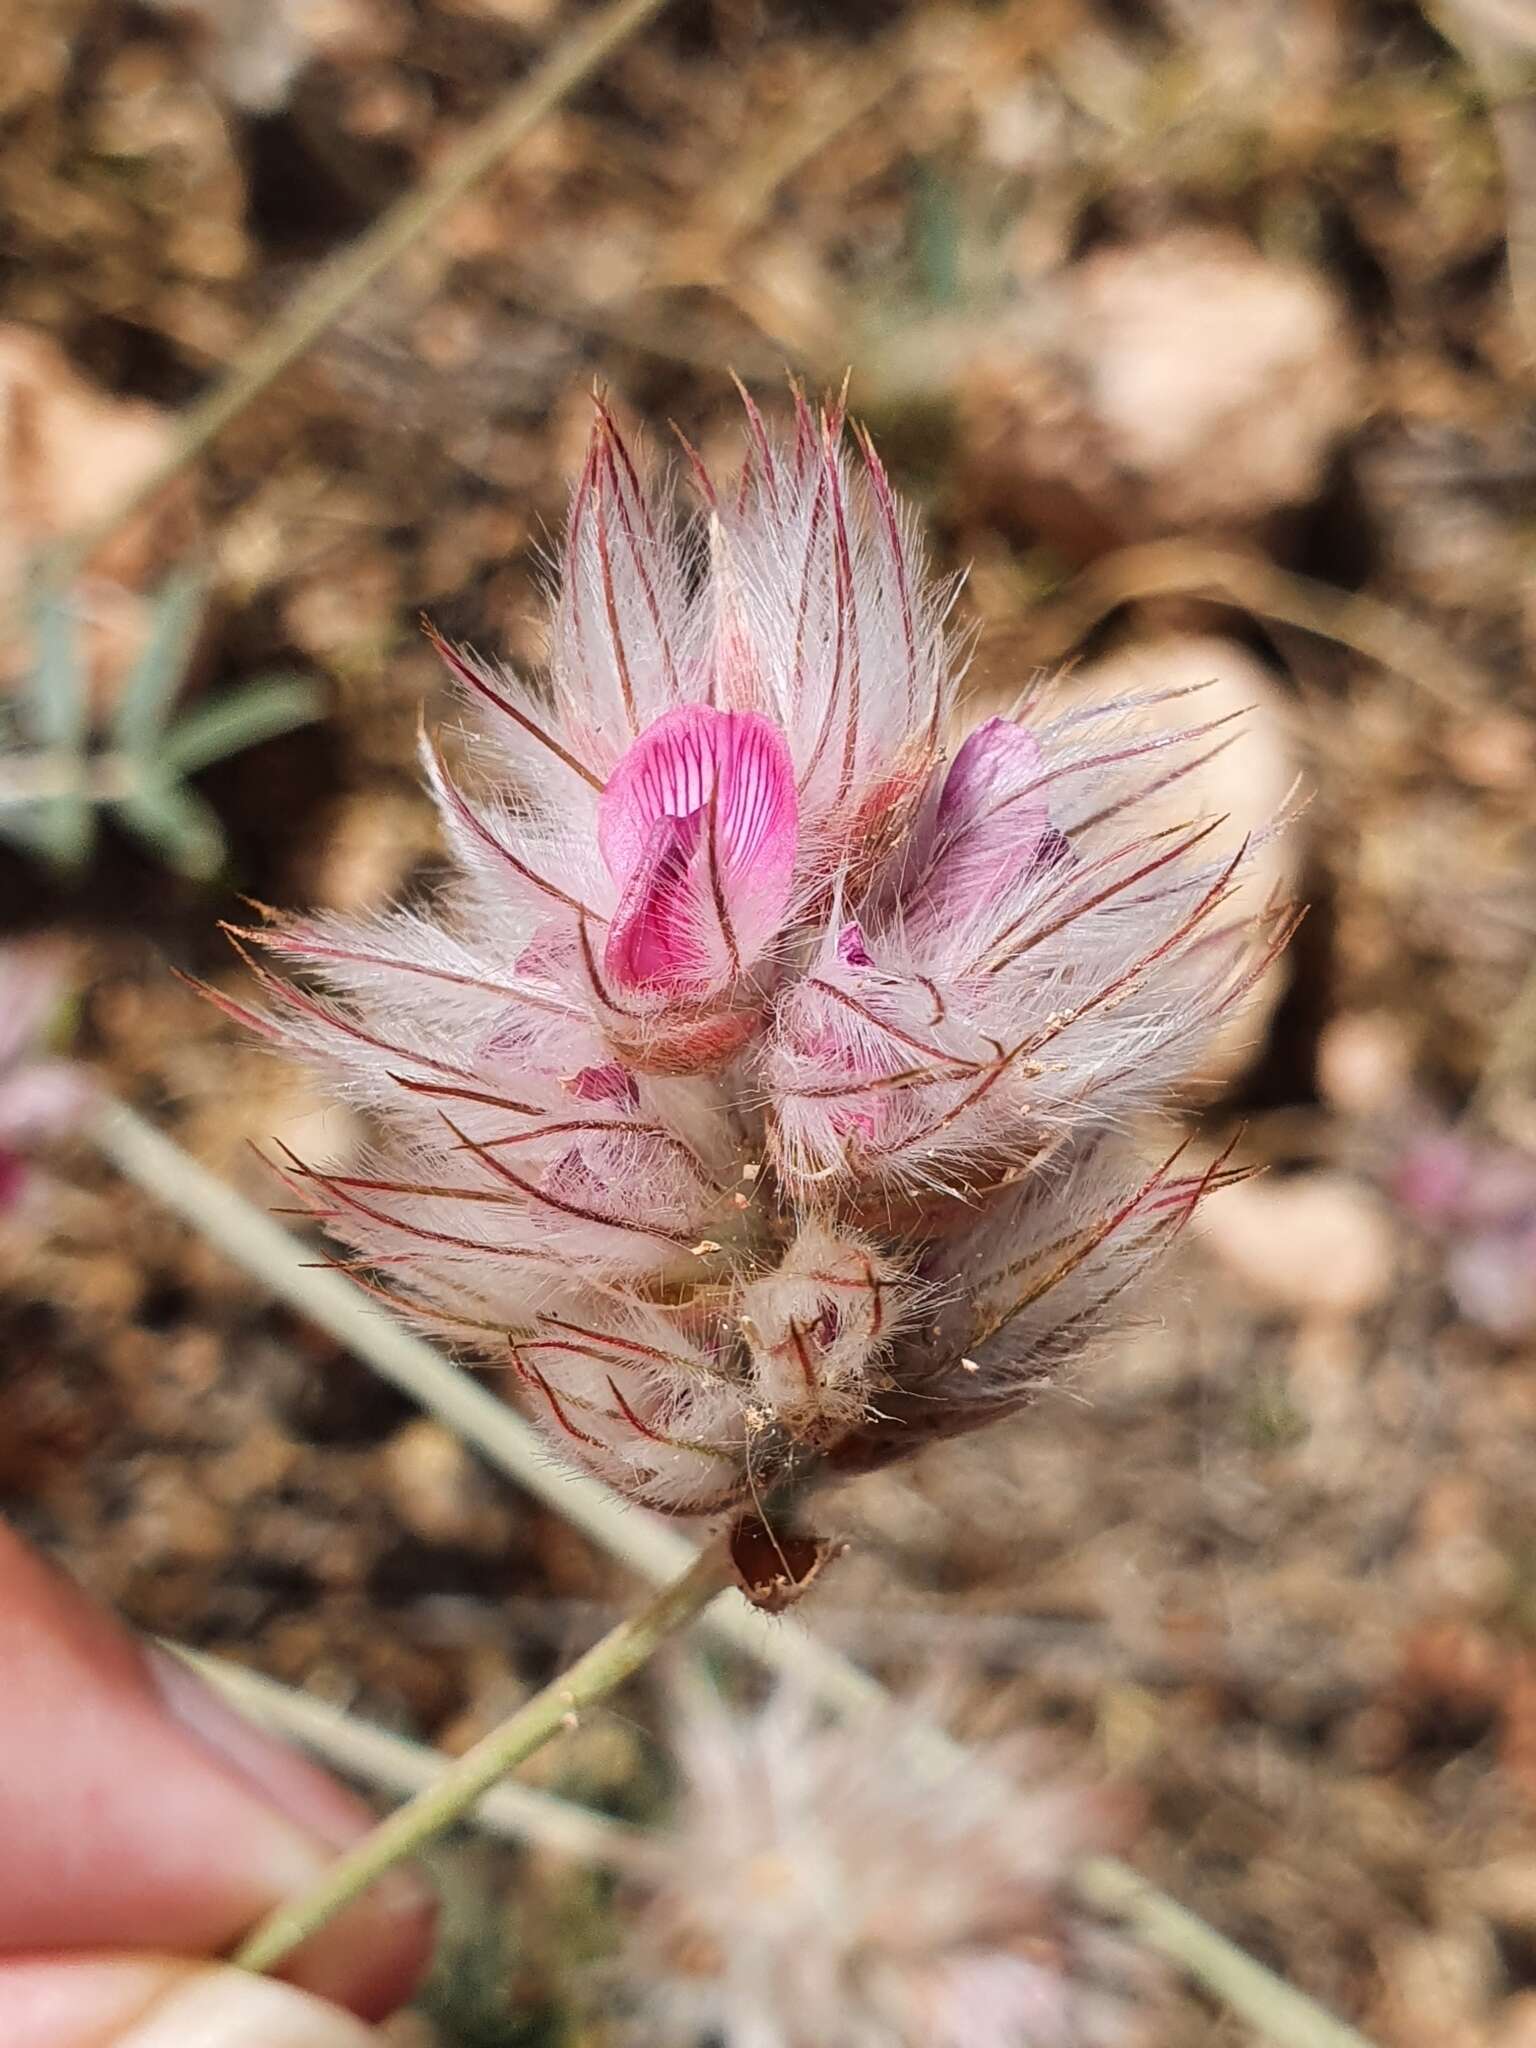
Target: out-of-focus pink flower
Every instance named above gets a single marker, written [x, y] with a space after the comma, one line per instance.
[991, 824]
[756, 1091]
[820, 1889]
[1478, 1197]
[39, 1097]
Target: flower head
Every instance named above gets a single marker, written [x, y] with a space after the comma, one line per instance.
[39, 1097]
[1477, 1195]
[820, 1889]
[755, 1092]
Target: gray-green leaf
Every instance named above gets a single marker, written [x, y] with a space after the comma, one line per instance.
[152, 683]
[239, 718]
[54, 713]
[179, 825]
[61, 830]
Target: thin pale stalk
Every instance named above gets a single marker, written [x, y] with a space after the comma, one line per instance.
[1394, 639]
[377, 1756]
[250, 1238]
[1279, 2011]
[1508, 1065]
[621, 1653]
[339, 283]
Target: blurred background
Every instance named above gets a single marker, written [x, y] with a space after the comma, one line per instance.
[1204, 333]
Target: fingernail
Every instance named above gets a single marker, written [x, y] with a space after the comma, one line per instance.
[371, 1956]
[284, 1779]
[224, 2009]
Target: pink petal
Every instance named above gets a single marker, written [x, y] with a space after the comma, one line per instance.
[606, 1082]
[852, 947]
[656, 939]
[41, 1100]
[1432, 1181]
[698, 826]
[992, 823]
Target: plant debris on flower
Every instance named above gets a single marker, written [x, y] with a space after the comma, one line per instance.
[757, 1089]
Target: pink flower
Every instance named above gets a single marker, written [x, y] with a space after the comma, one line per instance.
[1477, 1195]
[991, 824]
[39, 1097]
[817, 1891]
[755, 1092]
[697, 824]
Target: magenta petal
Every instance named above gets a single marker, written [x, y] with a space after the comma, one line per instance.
[656, 938]
[852, 948]
[698, 826]
[995, 767]
[606, 1082]
[992, 821]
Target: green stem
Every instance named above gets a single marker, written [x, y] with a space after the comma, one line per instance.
[338, 284]
[409, 1828]
[393, 1763]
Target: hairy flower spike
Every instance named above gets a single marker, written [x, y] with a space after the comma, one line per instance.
[755, 1094]
[818, 1890]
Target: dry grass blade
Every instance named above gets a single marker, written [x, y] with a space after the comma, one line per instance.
[743, 197]
[338, 284]
[381, 1758]
[1514, 129]
[1498, 40]
[1177, 568]
[464, 1781]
